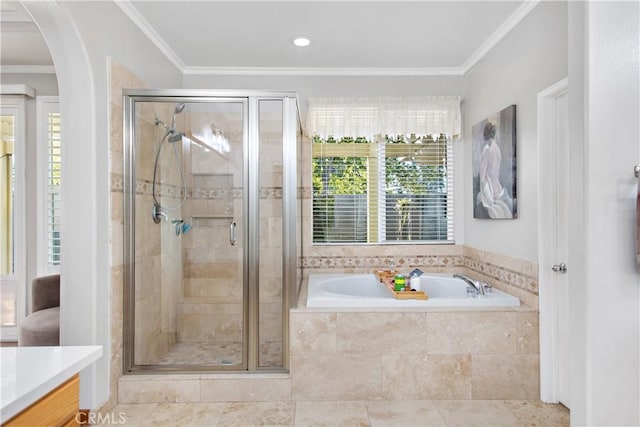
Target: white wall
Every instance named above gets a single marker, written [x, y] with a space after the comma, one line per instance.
[81, 37]
[604, 74]
[319, 86]
[44, 84]
[530, 58]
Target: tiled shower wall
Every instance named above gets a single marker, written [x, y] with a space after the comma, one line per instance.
[211, 308]
[120, 78]
[158, 257]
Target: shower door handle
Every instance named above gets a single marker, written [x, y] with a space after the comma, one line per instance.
[233, 233]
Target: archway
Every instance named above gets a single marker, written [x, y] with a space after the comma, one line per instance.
[84, 318]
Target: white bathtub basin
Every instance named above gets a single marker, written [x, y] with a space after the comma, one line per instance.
[364, 290]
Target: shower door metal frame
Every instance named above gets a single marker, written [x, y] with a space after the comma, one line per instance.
[251, 216]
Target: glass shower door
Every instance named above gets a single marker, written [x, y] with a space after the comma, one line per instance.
[209, 230]
[190, 270]
[211, 318]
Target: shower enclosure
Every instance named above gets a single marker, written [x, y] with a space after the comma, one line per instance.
[210, 224]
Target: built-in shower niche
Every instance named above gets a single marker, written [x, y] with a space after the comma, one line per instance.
[207, 225]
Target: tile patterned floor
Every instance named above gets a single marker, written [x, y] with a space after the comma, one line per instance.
[489, 413]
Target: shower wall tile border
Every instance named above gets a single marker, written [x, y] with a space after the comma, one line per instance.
[145, 187]
[117, 182]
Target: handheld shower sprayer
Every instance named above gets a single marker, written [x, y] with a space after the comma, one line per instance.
[172, 135]
[179, 108]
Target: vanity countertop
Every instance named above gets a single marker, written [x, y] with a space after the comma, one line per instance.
[29, 373]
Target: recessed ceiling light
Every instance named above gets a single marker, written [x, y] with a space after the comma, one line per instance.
[300, 41]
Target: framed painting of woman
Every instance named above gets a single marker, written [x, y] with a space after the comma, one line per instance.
[494, 166]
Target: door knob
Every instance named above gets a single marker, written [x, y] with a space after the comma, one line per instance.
[560, 268]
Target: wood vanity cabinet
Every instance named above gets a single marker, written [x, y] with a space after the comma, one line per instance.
[58, 408]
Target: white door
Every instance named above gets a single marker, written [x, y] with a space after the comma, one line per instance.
[553, 245]
[560, 276]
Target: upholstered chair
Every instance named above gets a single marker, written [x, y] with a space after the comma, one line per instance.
[42, 326]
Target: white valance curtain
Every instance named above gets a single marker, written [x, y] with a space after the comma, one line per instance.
[367, 117]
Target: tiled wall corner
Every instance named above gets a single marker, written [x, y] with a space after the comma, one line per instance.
[120, 78]
[512, 275]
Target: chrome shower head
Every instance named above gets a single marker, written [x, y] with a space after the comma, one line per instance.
[179, 108]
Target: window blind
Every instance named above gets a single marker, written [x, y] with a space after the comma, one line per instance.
[53, 187]
[341, 190]
[415, 202]
[390, 189]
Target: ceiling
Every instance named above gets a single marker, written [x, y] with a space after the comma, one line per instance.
[21, 43]
[357, 37]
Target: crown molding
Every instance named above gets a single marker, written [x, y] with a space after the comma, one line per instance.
[152, 34]
[520, 13]
[27, 69]
[509, 23]
[18, 89]
[323, 71]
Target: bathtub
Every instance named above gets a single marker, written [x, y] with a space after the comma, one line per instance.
[364, 290]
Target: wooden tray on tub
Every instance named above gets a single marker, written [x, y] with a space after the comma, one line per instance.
[387, 277]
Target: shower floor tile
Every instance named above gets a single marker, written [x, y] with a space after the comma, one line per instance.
[219, 354]
[203, 353]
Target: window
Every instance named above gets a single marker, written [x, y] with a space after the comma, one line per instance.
[50, 185]
[383, 168]
[12, 213]
[391, 189]
[7, 197]
[7, 194]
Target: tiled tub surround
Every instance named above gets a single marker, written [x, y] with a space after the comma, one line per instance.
[428, 353]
